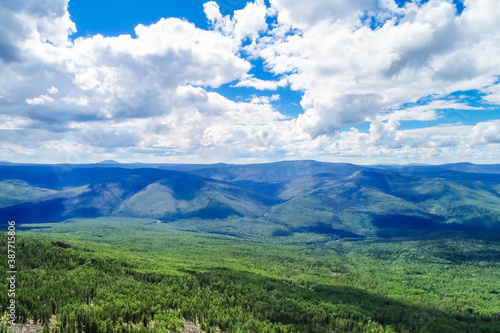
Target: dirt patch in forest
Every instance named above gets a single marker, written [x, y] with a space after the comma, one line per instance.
[190, 327]
[25, 328]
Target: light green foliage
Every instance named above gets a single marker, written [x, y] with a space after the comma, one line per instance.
[14, 191]
[129, 275]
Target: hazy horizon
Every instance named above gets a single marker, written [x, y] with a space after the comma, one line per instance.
[252, 163]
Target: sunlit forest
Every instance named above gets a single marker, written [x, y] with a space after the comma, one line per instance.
[125, 281]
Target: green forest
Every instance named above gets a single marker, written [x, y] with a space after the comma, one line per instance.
[120, 277]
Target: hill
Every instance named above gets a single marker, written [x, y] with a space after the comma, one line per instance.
[297, 201]
[95, 192]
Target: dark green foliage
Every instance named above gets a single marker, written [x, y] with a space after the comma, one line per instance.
[384, 286]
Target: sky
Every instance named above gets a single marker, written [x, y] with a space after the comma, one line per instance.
[359, 81]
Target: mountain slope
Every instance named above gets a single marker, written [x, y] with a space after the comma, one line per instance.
[367, 201]
[276, 199]
[202, 199]
[271, 172]
[13, 191]
[161, 194]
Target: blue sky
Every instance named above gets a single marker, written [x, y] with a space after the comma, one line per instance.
[118, 17]
[114, 18]
[362, 81]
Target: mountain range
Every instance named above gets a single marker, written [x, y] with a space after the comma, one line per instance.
[281, 200]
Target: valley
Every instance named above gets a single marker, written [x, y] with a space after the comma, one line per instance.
[296, 201]
[298, 246]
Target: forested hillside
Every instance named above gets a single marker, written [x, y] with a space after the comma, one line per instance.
[281, 247]
[295, 201]
[436, 284]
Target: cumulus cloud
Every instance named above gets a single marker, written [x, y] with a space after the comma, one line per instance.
[424, 112]
[110, 93]
[24, 21]
[52, 90]
[43, 99]
[492, 94]
[350, 71]
[123, 76]
[253, 82]
[155, 97]
[486, 132]
[248, 22]
[304, 14]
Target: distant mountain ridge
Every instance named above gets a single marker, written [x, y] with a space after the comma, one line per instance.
[279, 199]
[108, 162]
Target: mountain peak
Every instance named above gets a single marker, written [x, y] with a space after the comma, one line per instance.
[108, 162]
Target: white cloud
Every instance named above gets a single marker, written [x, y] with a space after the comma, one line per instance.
[248, 22]
[304, 14]
[80, 101]
[493, 94]
[52, 90]
[424, 112]
[275, 97]
[123, 76]
[253, 82]
[152, 97]
[481, 134]
[486, 132]
[42, 99]
[123, 93]
[13, 122]
[31, 20]
[349, 72]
